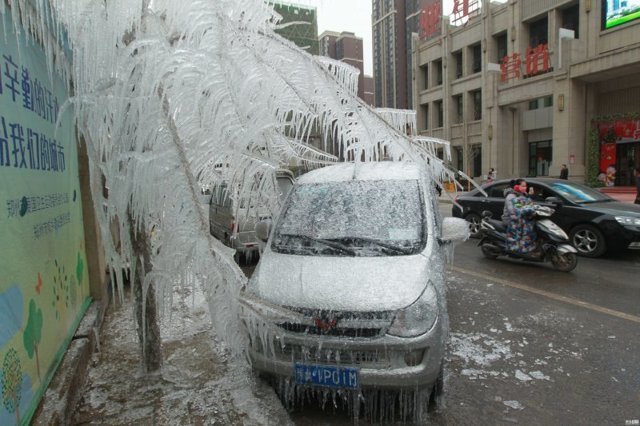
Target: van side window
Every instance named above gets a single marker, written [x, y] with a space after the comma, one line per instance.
[221, 196]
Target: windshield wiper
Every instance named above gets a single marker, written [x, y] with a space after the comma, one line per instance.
[378, 243]
[329, 243]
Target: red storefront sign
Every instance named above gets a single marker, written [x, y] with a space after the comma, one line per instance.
[463, 9]
[430, 19]
[510, 67]
[536, 62]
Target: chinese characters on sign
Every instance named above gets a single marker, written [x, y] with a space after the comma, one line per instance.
[25, 147]
[463, 9]
[536, 62]
[26, 205]
[430, 19]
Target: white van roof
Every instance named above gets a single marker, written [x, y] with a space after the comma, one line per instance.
[384, 170]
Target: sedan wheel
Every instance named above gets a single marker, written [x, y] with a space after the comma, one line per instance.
[474, 224]
[588, 240]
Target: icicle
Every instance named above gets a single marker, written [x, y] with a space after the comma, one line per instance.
[347, 75]
[404, 121]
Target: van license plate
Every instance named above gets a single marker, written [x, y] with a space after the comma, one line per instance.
[327, 375]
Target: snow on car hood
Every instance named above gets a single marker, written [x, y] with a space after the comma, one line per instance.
[340, 283]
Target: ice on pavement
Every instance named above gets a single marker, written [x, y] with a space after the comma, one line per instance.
[198, 384]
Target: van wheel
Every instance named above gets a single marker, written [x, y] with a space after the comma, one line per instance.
[428, 400]
[588, 240]
[436, 399]
[421, 404]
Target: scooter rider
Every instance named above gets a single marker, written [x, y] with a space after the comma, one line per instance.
[518, 216]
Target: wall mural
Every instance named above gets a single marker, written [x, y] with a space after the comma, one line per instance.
[44, 285]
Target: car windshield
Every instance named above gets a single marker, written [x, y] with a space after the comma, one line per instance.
[353, 218]
[579, 193]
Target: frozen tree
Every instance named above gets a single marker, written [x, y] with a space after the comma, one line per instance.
[173, 96]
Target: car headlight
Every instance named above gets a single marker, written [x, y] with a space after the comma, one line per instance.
[417, 318]
[626, 220]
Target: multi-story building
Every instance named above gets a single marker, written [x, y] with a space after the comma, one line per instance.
[389, 54]
[526, 86]
[369, 95]
[346, 47]
[304, 34]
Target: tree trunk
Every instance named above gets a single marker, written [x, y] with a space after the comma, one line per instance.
[145, 310]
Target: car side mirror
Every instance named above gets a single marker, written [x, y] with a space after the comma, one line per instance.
[454, 229]
[263, 229]
[553, 200]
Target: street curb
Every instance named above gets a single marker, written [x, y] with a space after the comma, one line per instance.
[59, 401]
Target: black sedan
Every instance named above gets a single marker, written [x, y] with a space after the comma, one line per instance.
[594, 221]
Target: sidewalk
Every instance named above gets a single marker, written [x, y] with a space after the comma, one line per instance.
[624, 194]
[198, 384]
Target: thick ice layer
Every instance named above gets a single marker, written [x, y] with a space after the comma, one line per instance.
[174, 96]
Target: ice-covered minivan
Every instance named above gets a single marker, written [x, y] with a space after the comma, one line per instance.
[232, 219]
[350, 291]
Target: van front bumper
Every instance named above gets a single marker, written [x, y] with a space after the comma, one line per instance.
[385, 362]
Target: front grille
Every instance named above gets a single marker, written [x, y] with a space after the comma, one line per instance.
[339, 323]
[299, 353]
[337, 331]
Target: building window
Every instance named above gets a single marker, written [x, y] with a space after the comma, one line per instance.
[475, 151]
[459, 158]
[424, 110]
[439, 113]
[571, 19]
[425, 77]
[538, 31]
[457, 102]
[539, 158]
[546, 102]
[476, 98]
[437, 65]
[476, 55]
[501, 47]
[457, 58]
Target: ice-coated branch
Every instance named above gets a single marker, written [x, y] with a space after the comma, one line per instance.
[172, 97]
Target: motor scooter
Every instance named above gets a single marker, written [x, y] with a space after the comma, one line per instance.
[553, 242]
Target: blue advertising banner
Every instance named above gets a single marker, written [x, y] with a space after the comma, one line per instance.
[44, 286]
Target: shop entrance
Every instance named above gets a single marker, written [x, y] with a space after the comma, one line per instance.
[539, 158]
[627, 158]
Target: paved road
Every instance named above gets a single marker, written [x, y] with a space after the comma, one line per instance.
[533, 346]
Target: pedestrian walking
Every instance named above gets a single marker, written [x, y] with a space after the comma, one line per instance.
[564, 172]
[491, 176]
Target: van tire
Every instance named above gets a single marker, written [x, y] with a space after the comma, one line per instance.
[436, 399]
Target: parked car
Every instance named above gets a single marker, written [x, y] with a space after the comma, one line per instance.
[351, 286]
[232, 219]
[594, 221]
